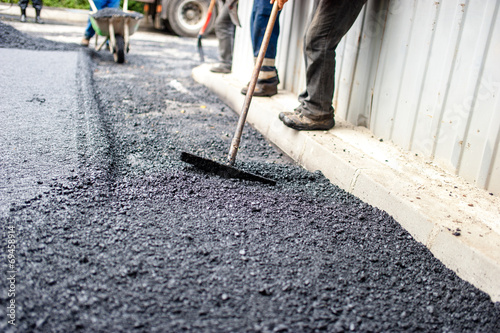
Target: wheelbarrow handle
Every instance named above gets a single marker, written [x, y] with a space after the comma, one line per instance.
[93, 6]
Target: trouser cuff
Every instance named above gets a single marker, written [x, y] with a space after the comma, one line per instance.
[268, 69]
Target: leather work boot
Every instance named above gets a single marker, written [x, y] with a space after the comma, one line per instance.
[264, 88]
[298, 121]
[221, 68]
[85, 42]
[38, 19]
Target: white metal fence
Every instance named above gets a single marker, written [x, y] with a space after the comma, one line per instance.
[424, 74]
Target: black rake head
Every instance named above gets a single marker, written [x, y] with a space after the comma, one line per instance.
[222, 170]
[200, 49]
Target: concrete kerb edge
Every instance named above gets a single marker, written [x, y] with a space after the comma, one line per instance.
[470, 265]
[364, 180]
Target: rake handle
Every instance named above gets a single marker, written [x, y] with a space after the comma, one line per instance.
[209, 16]
[235, 144]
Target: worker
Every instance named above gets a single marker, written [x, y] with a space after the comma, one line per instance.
[37, 4]
[225, 26]
[268, 80]
[89, 31]
[329, 23]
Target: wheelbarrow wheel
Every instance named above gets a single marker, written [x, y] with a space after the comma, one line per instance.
[119, 51]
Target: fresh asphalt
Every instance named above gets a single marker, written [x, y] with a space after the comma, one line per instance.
[114, 234]
[37, 131]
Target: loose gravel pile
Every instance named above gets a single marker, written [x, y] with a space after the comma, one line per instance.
[115, 12]
[138, 241]
[12, 38]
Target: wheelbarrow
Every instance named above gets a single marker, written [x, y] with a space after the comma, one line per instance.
[117, 26]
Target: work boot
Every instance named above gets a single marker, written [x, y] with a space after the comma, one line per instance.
[264, 88]
[221, 68]
[298, 121]
[85, 41]
[38, 19]
[23, 15]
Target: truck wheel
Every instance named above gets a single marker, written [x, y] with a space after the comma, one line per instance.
[186, 17]
[119, 52]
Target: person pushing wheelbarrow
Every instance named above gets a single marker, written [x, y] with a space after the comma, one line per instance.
[116, 26]
[99, 4]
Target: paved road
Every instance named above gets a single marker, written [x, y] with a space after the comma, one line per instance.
[121, 236]
[37, 131]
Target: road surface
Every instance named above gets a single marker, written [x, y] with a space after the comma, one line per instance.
[113, 233]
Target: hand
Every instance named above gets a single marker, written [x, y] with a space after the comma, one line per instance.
[280, 3]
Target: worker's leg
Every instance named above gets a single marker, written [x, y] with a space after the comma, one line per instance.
[224, 30]
[330, 22]
[37, 4]
[89, 31]
[267, 83]
[23, 4]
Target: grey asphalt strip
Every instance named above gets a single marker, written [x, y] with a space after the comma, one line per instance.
[37, 130]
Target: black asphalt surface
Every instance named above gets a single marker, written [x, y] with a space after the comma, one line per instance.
[125, 237]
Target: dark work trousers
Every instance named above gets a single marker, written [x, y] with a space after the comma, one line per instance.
[259, 18]
[330, 21]
[37, 4]
[224, 31]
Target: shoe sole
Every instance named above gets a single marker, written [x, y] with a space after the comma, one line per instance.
[220, 72]
[269, 94]
[304, 128]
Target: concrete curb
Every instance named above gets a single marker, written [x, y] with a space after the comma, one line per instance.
[459, 223]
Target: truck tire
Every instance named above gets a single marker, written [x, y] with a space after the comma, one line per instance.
[186, 17]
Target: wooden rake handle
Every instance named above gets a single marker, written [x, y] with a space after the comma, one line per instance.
[235, 144]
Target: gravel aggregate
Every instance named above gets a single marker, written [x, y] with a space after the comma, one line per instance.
[115, 12]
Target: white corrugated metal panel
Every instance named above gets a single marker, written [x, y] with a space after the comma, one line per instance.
[368, 32]
[420, 37]
[479, 134]
[289, 59]
[423, 74]
[242, 53]
[345, 64]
